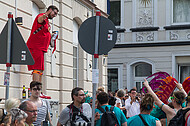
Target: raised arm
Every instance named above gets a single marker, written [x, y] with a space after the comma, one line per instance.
[156, 99]
[164, 107]
[44, 16]
[180, 87]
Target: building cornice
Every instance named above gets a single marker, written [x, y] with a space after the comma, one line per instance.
[176, 43]
[177, 27]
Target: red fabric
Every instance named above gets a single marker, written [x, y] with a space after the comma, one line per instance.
[38, 57]
[40, 40]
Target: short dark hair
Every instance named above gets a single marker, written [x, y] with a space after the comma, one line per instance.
[75, 92]
[35, 83]
[132, 90]
[112, 101]
[103, 98]
[53, 8]
[23, 106]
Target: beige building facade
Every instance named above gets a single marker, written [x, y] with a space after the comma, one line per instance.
[153, 36]
[70, 66]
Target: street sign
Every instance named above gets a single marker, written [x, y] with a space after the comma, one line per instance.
[19, 51]
[107, 35]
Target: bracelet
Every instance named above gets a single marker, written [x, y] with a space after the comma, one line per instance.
[180, 88]
[161, 106]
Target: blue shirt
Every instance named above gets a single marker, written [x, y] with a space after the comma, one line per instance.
[118, 113]
[136, 120]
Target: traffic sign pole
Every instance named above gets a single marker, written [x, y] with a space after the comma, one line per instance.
[8, 64]
[97, 35]
[95, 64]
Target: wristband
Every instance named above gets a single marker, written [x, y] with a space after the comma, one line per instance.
[161, 106]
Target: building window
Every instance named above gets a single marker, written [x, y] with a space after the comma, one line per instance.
[184, 71]
[143, 70]
[113, 79]
[75, 64]
[115, 12]
[181, 11]
[75, 53]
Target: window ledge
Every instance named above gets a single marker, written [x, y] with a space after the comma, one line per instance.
[120, 30]
[141, 29]
[177, 27]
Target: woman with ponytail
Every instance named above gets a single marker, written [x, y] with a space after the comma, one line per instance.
[177, 100]
[144, 118]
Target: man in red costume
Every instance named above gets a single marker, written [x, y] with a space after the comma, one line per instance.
[39, 41]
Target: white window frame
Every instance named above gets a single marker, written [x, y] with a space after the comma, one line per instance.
[130, 70]
[175, 65]
[182, 23]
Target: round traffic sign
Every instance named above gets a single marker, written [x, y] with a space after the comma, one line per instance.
[107, 35]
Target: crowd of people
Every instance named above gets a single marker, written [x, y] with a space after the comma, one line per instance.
[129, 108]
[112, 109]
[34, 111]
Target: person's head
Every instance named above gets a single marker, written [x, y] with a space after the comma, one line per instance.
[78, 95]
[5, 118]
[30, 109]
[100, 88]
[147, 103]
[18, 117]
[112, 101]
[120, 93]
[35, 88]
[178, 98]
[12, 103]
[54, 11]
[126, 96]
[103, 98]
[133, 93]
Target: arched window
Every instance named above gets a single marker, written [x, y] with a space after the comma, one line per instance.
[141, 71]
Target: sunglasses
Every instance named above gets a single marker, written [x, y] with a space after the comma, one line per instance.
[32, 111]
[81, 94]
[35, 89]
[4, 115]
